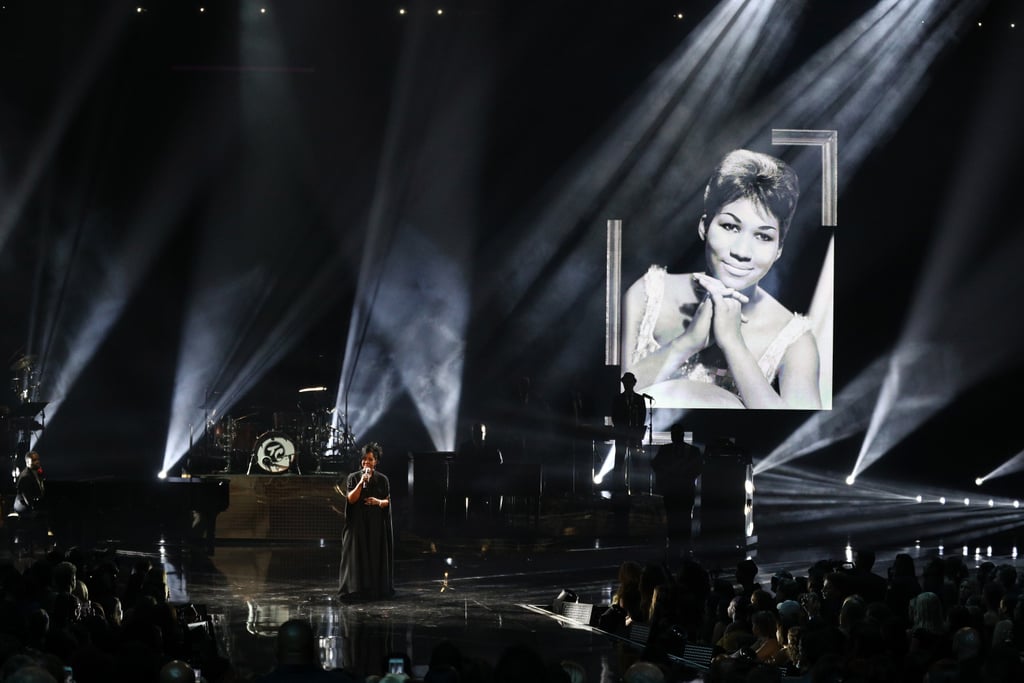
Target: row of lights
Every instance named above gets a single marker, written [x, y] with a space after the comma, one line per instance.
[941, 500]
[402, 11]
[966, 552]
[263, 10]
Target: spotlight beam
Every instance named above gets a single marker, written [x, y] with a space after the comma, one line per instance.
[1011, 466]
[984, 339]
[71, 95]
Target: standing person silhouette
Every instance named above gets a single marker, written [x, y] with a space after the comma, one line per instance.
[676, 466]
[478, 456]
[29, 502]
[628, 416]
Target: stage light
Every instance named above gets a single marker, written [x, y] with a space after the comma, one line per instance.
[263, 10]
[1012, 465]
[401, 10]
[919, 499]
[967, 501]
[162, 474]
[942, 549]
[991, 503]
[966, 551]
[849, 416]
[850, 479]
[139, 10]
[988, 551]
[1016, 504]
[748, 487]
[979, 481]
[440, 11]
[942, 500]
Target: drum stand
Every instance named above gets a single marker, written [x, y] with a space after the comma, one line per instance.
[343, 446]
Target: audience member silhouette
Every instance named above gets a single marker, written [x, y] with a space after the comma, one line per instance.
[297, 657]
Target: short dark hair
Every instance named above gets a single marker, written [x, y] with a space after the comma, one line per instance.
[375, 448]
[769, 182]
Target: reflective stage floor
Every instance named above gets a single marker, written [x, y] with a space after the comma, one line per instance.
[474, 586]
[474, 593]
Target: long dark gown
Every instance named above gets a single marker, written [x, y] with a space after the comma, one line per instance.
[367, 542]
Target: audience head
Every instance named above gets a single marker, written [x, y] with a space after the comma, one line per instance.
[789, 612]
[519, 663]
[746, 573]
[762, 601]
[1002, 632]
[926, 613]
[966, 644]
[445, 655]
[31, 674]
[643, 672]
[576, 672]
[177, 671]
[296, 644]
[764, 624]
[64, 577]
[865, 559]
[903, 567]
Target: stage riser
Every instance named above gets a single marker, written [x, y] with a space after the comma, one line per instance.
[282, 508]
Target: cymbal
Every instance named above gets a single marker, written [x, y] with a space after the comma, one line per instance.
[23, 363]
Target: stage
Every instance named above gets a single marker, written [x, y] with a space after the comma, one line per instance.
[482, 582]
[482, 594]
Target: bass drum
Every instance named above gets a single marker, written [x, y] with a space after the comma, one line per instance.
[274, 452]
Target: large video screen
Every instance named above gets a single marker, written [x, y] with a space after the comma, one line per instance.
[722, 335]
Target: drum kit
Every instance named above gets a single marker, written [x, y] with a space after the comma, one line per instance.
[264, 442]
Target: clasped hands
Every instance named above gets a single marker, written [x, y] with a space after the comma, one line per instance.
[719, 313]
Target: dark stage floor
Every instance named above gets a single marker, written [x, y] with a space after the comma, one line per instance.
[474, 592]
[472, 582]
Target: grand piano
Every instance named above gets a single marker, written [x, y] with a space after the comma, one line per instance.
[97, 511]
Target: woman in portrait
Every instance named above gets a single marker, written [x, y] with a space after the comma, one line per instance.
[367, 541]
[716, 339]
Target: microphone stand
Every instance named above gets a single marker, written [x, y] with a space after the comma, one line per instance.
[650, 441]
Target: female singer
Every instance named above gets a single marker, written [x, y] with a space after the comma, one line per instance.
[367, 542]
